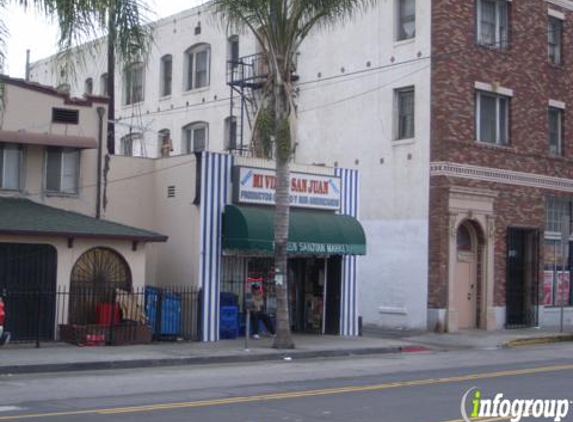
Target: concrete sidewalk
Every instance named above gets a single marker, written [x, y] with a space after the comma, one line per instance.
[56, 357]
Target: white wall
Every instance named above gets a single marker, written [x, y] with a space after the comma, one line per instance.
[345, 122]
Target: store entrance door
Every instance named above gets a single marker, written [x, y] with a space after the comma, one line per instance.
[314, 295]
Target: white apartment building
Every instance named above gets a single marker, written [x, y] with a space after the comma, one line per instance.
[364, 104]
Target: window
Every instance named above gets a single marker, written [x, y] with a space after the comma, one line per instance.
[197, 62]
[133, 78]
[195, 137]
[233, 51]
[493, 23]
[128, 143]
[10, 165]
[103, 85]
[165, 143]
[554, 34]
[231, 133]
[555, 131]
[405, 113]
[89, 86]
[464, 239]
[166, 74]
[557, 208]
[62, 170]
[492, 116]
[406, 12]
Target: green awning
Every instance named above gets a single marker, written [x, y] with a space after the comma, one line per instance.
[251, 230]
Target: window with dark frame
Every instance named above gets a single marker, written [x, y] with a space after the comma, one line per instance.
[89, 86]
[555, 131]
[10, 166]
[405, 105]
[62, 170]
[492, 21]
[197, 62]
[554, 40]
[406, 20]
[166, 75]
[195, 137]
[492, 118]
[133, 91]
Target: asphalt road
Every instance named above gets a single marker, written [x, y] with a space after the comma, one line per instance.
[421, 387]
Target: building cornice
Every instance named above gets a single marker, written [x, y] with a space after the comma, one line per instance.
[487, 174]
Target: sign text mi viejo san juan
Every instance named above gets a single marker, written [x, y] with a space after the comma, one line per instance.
[257, 186]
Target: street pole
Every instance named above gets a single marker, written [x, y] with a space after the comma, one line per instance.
[565, 233]
[247, 329]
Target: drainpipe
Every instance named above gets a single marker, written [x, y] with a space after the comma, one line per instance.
[100, 113]
[28, 65]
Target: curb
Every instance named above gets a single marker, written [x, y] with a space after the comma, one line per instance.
[538, 340]
[196, 360]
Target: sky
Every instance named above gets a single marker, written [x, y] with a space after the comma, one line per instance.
[29, 30]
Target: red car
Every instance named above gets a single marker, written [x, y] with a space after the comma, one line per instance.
[4, 336]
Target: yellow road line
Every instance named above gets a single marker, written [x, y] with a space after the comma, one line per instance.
[296, 394]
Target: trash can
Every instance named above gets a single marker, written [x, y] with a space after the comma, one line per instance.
[163, 310]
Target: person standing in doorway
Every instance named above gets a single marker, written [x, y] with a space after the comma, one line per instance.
[259, 311]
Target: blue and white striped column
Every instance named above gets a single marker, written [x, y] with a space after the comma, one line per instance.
[215, 191]
[348, 302]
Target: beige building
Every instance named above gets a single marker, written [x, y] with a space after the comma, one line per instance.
[52, 190]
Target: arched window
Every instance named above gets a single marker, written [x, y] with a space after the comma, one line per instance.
[197, 67]
[89, 86]
[133, 84]
[464, 239]
[195, 137]
[166, 73]
[165, 143]
[131, 143]
[233, 51]
[103, 85]
[230, 135]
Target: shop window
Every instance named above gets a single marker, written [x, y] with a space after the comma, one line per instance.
[11, 158]
[492, 21]
[557, 276]
[556, 210]
[62, 170]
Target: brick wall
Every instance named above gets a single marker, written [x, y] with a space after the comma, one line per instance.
[458, 62]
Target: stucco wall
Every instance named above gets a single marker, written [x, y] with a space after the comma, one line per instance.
[347, 121]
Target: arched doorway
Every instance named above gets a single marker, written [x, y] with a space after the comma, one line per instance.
[95, 277]
[466, 288]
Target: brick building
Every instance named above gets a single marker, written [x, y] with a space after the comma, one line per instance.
[501, 162]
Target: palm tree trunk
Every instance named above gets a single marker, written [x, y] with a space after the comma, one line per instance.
[283, 339]
[111, 81]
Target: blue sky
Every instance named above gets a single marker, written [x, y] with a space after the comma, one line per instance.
[31, 31]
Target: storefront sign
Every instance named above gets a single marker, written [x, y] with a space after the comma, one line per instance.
[257, 186]
[305, 248]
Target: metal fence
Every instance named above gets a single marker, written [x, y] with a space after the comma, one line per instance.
[102, 316]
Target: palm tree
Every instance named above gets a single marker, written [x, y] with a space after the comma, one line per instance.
[280, 27]
[122, 21]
